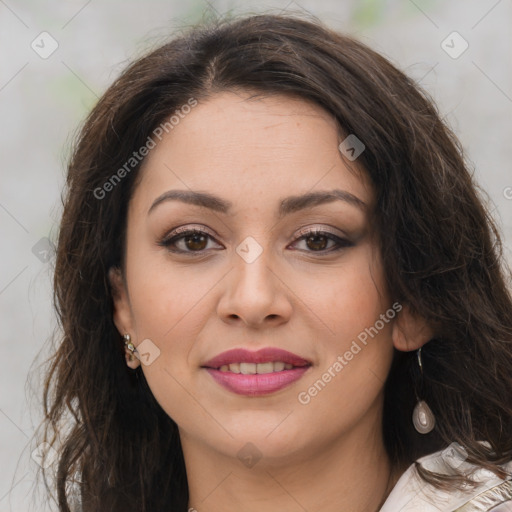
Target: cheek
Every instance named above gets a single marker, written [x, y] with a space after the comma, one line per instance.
[171, 312]
[351, 297]
[170, 308]
[165, 296]
[359, 350]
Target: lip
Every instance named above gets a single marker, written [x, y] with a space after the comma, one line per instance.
[267, 354]
[257, 384]
[254, 385]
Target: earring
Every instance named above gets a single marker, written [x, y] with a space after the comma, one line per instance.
[129, 345]
[423, 418]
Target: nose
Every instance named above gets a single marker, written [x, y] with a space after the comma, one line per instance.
[254, 295]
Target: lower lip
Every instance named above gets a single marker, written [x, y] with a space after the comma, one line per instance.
[258, 384]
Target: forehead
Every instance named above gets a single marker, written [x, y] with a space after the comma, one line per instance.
[250, 148]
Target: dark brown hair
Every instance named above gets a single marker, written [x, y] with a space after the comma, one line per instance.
[118, 450]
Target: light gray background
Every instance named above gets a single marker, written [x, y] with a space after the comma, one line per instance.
[42, 102]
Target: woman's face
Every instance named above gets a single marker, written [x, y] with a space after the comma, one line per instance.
[257, 178]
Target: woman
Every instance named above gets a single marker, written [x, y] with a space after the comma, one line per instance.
[278, 289]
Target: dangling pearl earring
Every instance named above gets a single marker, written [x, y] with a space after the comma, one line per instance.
[423, 418]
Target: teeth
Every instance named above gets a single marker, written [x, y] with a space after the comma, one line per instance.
[234, 367]
[256, 368]
[264, 367]
[248, 368]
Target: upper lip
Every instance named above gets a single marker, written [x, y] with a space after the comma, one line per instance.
[264, 355]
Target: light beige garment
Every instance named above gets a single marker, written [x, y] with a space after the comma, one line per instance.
[412, 494]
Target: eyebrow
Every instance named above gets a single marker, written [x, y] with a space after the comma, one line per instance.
[287, 205]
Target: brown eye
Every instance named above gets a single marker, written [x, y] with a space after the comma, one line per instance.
[317, 242]
[322, 242]
[188, 241]
[196, 242]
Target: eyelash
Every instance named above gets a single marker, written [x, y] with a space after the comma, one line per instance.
[170, 241]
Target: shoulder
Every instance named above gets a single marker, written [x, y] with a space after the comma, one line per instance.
[411, 493]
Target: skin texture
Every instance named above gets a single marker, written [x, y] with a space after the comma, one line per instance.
[327, 455]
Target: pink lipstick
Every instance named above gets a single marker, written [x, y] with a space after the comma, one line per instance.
[256, 373]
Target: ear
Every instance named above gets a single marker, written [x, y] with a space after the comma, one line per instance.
[410, 331]
[122, 311]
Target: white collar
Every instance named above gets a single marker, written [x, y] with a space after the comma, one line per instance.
[412, 494]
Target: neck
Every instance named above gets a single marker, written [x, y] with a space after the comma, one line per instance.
[353, 473]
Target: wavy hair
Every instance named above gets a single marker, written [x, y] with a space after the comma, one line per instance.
[441, 251]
